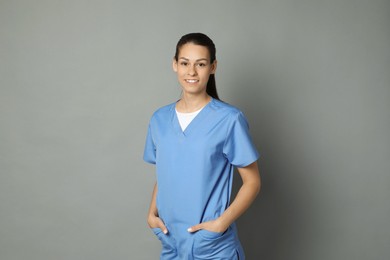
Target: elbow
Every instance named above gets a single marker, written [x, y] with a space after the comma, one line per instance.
[257, 185]
[257, 188]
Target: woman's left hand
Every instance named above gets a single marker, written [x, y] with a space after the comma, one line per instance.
[212, 225]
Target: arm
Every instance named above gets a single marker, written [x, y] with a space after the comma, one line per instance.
[251, 184]
[153, 220]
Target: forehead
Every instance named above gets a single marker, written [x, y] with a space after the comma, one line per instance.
[192, 51]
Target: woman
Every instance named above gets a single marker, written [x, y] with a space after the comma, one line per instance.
[195, 143]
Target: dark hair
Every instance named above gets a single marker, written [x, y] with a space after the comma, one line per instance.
[203, 40]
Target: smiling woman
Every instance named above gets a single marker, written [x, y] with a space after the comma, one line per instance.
[195, 144]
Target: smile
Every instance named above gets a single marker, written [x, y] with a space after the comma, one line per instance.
[192, 80]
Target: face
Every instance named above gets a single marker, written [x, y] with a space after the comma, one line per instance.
[193, 68]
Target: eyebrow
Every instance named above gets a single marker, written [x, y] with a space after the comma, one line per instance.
[203, 59]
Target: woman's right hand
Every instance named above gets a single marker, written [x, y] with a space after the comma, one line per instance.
[156, 222]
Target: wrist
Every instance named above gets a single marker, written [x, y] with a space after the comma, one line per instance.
[222, 223]
[152, 216]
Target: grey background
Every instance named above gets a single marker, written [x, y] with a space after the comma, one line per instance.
[79, 81]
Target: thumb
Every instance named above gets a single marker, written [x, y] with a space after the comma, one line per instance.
[195, 228]
[161, 225]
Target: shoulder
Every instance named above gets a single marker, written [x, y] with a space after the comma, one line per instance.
[226, 109]
[230, 114]
[164, 110]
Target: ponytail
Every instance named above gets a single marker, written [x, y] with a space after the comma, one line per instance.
[211, 88]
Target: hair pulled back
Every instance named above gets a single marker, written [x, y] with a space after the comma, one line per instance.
[203, 40]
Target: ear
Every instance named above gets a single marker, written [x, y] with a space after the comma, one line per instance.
[174, 65]
[214, 67]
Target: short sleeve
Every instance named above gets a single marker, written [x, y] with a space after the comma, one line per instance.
[239, 148]
[150, 148]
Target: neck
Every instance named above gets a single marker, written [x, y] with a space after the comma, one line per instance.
[191, 103]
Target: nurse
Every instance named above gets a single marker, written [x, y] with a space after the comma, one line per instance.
[195, 144]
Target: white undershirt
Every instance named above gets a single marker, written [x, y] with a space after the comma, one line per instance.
[186, 118]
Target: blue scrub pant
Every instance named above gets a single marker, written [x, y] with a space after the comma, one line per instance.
[178, 244]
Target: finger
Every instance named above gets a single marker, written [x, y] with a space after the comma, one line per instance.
[195, 228]
[162, 226]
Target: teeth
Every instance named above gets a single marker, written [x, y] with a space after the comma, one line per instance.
[191, 80]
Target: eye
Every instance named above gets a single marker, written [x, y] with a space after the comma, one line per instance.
[201, 64]
[183, 63]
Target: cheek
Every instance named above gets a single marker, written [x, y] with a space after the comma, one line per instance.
[206, 75]
[178, 72]
[181, 73]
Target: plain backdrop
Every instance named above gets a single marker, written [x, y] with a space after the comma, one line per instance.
[80, 79]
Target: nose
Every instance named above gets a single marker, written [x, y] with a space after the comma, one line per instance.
[192, 71]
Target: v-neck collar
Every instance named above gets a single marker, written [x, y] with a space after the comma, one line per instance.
[193, 124]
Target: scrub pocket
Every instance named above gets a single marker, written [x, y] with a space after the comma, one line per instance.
[213, 245]
[168, 247]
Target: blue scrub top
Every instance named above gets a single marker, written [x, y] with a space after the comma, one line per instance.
[195, 167]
